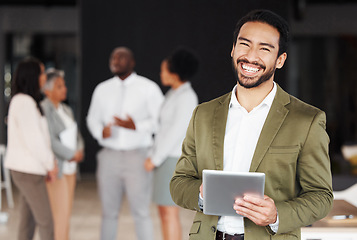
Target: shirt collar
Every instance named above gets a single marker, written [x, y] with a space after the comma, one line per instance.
[268, 100]
[130, 79]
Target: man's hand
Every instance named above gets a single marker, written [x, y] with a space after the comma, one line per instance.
[149, 166]
[201, 190]
[78, 157]
[261, 211]
[128, 123]
[107, 131]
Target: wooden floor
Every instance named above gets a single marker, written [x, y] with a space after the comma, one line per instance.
[85, 221]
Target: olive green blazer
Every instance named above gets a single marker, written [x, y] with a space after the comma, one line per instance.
[292, 151]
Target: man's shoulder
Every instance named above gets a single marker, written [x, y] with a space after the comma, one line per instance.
[295, 104]
[105, 83]
[303, 107]
[103, 86]
[145, 81]
[207, 110]
[224, 99]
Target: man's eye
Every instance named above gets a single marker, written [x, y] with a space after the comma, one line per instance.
[244, 44]
[265, 49]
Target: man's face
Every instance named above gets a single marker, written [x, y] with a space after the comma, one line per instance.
[121, 62]
[255, 55]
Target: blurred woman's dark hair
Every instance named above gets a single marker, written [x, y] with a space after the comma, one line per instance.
[184, 62]
[26, 79]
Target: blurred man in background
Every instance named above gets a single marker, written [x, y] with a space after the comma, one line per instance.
[122, 117]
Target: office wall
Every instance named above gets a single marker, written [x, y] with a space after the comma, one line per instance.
[30, 20]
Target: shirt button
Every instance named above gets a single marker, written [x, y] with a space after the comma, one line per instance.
[213, 228]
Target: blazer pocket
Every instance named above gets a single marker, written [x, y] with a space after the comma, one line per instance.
[283, 149]
[284, 236]
[280, 167]
[195, 228]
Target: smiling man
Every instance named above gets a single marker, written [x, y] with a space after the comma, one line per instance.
[258, 127]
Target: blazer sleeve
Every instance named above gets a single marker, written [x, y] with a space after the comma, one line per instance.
[315, 198]
[61, 151]
[185, 183]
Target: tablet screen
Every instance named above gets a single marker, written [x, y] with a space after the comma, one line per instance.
[221, 188]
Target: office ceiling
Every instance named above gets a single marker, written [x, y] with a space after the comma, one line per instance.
[40, 2]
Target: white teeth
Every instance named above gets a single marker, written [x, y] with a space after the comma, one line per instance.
[250, 69]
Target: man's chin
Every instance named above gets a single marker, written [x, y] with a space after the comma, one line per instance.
[248, 83]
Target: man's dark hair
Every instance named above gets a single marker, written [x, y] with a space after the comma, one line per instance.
[183, 62]
[26, 79]
[268, 17]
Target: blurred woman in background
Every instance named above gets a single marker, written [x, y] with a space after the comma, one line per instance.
[67, 145]
[175, 115]
[29, 154]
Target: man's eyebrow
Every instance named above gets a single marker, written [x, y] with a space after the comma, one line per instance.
[266, 44]
[244, 39]
[262, 43]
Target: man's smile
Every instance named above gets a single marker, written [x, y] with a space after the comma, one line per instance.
[250, 69]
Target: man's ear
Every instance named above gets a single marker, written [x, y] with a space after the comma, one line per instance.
[232, 50]
[281, 60]
[133, 63]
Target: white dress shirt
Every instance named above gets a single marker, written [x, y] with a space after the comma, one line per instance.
[242, 133]
[68, 168]
[175, 115]
[28, 145]
[137, 97]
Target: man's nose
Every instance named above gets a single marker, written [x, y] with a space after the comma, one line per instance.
[252, 55]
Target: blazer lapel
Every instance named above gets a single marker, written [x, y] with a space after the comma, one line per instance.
[219, 130]
[55, 118]
[273, 122]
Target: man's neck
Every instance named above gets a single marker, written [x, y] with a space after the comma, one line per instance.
[249, 98]
[124, 75]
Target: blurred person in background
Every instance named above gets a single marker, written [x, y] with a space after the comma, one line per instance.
[67, 145]
[175, 115]
[29, 154]
[122, 117]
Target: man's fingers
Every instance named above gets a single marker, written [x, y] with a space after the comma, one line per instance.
[246, 204]
[256, 200]
[261, 211]
[257, 217]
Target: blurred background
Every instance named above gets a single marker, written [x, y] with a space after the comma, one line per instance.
[78, 37]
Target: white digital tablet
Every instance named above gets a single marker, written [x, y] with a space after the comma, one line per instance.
[221, 188]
